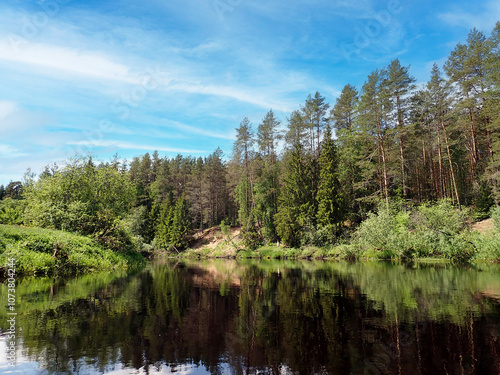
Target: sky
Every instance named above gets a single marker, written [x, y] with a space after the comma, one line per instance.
[106, 78]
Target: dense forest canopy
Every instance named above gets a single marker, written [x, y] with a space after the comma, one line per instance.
[326, 167]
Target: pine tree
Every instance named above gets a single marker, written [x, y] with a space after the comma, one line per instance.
[373, 127]
[243, 154]
[296, 133]
[467, 69]
[399, 85]
[350, 148]
[314, 116]
[492, 109]
[439, 103]
[268, 135]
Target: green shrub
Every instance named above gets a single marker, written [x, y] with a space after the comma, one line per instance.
[441, 217]
[270, 252]
[11, 211]
[384, 235]
[440, 230]
[495, 214]
[250, 235]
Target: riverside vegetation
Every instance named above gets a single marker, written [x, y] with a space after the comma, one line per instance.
[408, 171]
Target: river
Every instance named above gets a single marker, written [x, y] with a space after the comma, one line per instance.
[259, 317]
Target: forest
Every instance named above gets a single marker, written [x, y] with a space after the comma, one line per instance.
[395, 167]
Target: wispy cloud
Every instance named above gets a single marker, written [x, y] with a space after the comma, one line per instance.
[7, 108]
[484, 20]
[258, 99]
[10, 152]
[84, 63]
[199, 131]
[133, 146]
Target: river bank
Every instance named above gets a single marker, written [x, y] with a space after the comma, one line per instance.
[39, 251]
[479, 243]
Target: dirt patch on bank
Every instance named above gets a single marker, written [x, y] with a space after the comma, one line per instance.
[211, 237]
[483, 227]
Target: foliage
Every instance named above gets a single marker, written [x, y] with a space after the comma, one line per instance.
[384, 234]
[483, 201]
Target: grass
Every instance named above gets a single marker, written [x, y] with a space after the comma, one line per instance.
[39, 251]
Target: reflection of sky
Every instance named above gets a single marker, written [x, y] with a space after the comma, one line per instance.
[181, 370]
[23, 365]
[26, 367]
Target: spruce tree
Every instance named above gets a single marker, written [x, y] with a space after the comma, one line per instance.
[267, 183]
[330, 203]
[297, 205]
[181, 224]
[164, 224]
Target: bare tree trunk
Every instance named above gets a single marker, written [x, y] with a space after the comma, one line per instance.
[474, 150]
[442, 191]
[386, 183]
[451, 163]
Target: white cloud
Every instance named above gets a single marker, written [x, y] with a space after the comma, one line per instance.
[85, 63]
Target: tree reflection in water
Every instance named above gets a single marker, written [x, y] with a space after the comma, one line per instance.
[267, 317]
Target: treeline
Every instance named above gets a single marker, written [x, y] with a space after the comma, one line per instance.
[295, 182]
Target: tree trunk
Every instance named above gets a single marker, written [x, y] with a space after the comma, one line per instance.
[451, 163]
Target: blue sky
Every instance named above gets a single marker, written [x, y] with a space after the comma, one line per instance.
[129, 77]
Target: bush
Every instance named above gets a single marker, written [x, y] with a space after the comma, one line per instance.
[384, 235]
[441, 217]
[426, 231]
[440, 230]
[11, 211]
[495, 214]
[251, 237]
[319, 236]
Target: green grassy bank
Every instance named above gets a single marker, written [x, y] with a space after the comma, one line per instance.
[431, 232]
[38, 251]
[482, 249]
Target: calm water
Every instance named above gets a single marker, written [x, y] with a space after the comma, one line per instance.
[267, 317]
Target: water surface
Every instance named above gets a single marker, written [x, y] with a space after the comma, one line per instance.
[261, 317]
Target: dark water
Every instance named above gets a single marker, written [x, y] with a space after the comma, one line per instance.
[229, 317]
